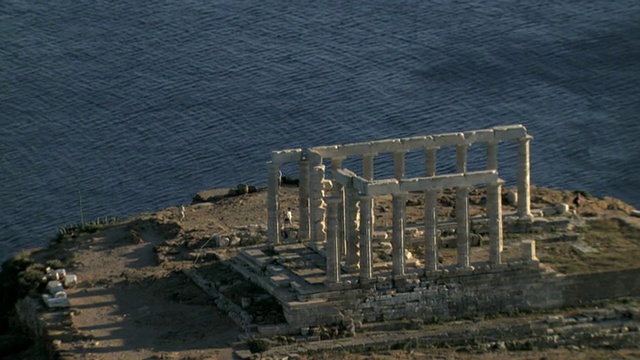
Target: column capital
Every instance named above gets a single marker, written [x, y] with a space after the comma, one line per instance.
[525, 138]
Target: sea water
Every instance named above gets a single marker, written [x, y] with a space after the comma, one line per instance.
[111, 108]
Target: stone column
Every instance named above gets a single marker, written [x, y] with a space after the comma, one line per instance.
[524, 178]
[367, 173]
[494, 210]
[272, 204]
[353, 229]
[398, 164]
[492, 155]
[431, 214]
[461, 158]
[430, 161]
[399, 207]
[431, 230]
[331, 247]
[528, 248]
[366, 253]
[462, 210]
[367, 166]
[317, 210]
[462, 219]
[303, 232]
[338, 190]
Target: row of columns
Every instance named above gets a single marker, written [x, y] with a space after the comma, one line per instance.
[312, 187]
[347, 233]
[359, 251]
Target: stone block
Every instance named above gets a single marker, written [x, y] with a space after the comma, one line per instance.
[384, 146]
[355, 149]
[449, 139]
[562, 208]
[56, 302]
[528, 248]
[54, 287]
[281, 280]
[510, 132]
[285, 156]
[416, 142]
[70, 280]
[486, 135]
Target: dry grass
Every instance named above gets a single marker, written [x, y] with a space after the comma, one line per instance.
[615, 245]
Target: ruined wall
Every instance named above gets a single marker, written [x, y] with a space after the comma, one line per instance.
[583, 288]
[489, 290]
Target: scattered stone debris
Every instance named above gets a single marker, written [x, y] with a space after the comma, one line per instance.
[58, 280]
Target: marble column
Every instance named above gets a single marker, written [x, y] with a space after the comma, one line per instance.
[366, 251]
[303, 232]
[399, 207]
[353, 230]
[318, 209]
[494, 210]
[462, 221]
[338, 190]
[398, 164]
[272, 204]
[367, 166]
[430, 160]
[462, 210]
[431, 214]
[461, 158]
[331, 247]
[367, 173]
[492, 155]
[524, 178]
[431, 230]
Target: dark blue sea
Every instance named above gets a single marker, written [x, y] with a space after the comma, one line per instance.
[135, 106]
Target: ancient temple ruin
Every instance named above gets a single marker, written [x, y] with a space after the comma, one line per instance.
[336, 212]
[331, 269]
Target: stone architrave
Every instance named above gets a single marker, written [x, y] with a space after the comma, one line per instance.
[353, 229]
[524, 178]
[494, 210]
[272, 203]
[318, 208]
[399, 207]
[304, 230]
[332, 245]
[366, 251]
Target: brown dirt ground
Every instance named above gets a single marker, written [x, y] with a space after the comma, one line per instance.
[130, 307]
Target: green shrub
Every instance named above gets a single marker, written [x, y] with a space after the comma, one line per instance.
[259, 345]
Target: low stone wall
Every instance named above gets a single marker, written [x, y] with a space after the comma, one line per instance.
[448, 296]
[608, 328]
